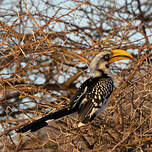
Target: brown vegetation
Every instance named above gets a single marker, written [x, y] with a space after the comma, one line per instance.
[45, 49]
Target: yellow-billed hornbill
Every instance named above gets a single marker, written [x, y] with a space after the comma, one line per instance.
[92, 96]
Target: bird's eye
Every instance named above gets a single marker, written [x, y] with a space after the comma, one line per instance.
[106, 57]
[107, 65]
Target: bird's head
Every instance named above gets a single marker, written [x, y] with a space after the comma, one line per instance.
[101, 62]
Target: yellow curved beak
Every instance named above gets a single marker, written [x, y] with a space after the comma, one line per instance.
[119, 54]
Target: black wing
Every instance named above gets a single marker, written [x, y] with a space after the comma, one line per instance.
[80, 94]
[95, 98]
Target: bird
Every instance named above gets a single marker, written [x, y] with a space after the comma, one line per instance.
[91, 98]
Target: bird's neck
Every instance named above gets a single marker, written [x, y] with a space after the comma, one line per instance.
[102, 73]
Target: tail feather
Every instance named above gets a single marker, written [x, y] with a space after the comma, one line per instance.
[40, 123]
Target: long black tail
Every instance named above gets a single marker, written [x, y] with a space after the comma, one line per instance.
[40, 123]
